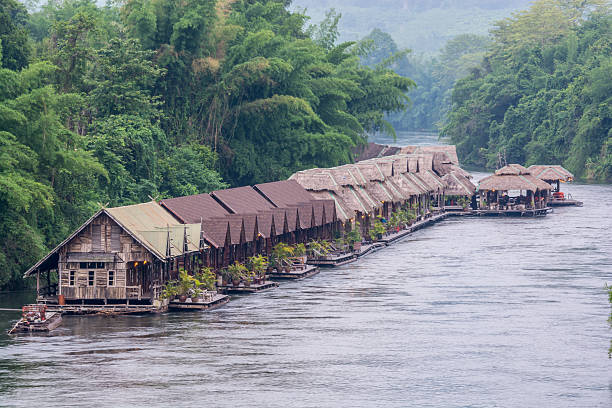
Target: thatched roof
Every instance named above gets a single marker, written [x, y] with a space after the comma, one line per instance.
[395, 190]
[457, 184]
[343, 212]
[551, 173]
[421, 184]
[407, 186]
[506, 182]
[447, 168]
[370, 171]
[372, 150]
[449, 150]
[511, 169]
[379, 192]
[431, 179]
[315, 180]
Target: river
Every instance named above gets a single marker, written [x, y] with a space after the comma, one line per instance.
[475, 312]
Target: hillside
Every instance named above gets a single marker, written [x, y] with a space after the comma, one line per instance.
[421, 25]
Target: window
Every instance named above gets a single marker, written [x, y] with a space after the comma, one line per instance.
[111, 278]
[71, 278]
[91, 278]
[83, 265]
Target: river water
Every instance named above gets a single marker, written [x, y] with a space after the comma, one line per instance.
[477, 312]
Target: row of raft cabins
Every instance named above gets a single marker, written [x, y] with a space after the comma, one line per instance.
[125, 255]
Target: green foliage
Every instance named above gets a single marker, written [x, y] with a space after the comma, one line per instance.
[541, 96]
[113, 104]
[14, 41]
[377, 229]
[354, 235]
[257, 265]
[237, 271]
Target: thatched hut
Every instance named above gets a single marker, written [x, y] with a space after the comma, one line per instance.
[552, 174]
[458, 190]
[504, 190]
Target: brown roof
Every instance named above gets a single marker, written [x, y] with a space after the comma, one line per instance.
[513, 182]
[315, 180]
[250, 224]
[283, 193]
[379, 192]
[242, 200]
[195, 208]
[237, 229]
[420, 183]
[215, 231]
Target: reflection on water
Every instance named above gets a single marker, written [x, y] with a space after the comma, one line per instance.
[471, 312]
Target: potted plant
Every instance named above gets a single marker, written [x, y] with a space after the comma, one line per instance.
[299, 251]
[237, 271]
[205, 280]
[281, 253]
[354, 238]
[257, 265]
[170, 290]
[377, 230]
[185, 284]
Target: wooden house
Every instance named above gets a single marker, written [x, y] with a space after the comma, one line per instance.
[119, 255]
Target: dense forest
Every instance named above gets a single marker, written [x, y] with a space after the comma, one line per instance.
[543, 93]
[112, 105]
[434, 76]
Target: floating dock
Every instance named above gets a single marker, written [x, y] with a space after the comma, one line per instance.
[241, 289]
[103, 309]
[514, 212]
[218, 300]
[333, 260]
[565, 202]
[302, 273]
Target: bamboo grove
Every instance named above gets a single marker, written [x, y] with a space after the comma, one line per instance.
[111, 105]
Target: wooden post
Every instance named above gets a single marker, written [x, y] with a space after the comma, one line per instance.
[37, 282]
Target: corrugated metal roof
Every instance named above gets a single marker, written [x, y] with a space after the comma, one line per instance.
[151, 224]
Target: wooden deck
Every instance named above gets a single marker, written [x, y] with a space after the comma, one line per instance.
[564, 203]
[103, 309]
[247, 289]
[540, 212]
[217, 301]
[333, 260]
[308, 271]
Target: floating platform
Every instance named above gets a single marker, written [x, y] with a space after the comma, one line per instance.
[367, 249]
[540, 212]
[303, 273]
[247, 289]
[103, 309]
[566, 202]
[52, 320]
[217, 301]
[333, 260]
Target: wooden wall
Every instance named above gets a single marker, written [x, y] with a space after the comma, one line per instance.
[104, 236]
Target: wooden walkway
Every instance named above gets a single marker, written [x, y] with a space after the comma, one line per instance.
[217, 301]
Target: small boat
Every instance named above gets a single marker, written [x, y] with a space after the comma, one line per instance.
[35, 318]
